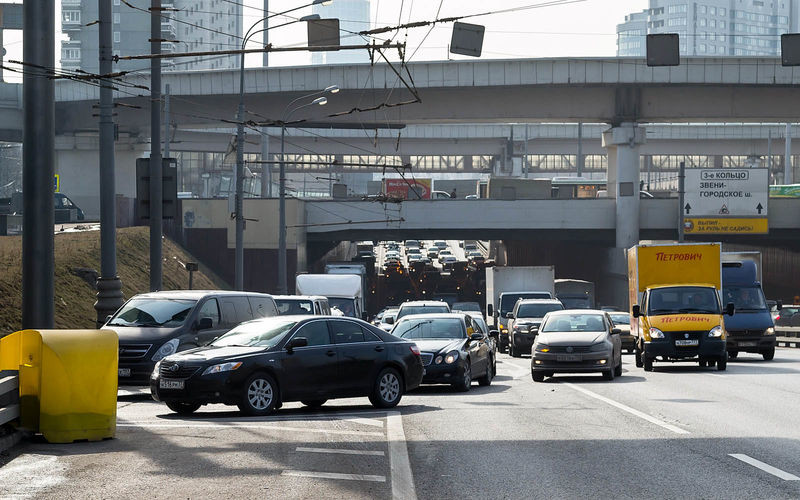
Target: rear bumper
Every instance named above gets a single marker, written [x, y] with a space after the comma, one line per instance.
[589, 362]
[751, 344]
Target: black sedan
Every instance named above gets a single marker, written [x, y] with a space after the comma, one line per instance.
[454, 350]
[261, 364]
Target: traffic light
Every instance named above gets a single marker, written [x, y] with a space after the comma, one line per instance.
[169, 188]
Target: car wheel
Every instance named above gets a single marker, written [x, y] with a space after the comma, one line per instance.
[768, 354]
[537, 376]
[486, 379]
[315, 403]
[466, 380]
[703, 363]
[630, 350]
[722, 363]
[260, 395]
[637, 357]
[647, 362]
[609, 374]
[182, 408]
[388, 389]
[733, 354]
[618, 369]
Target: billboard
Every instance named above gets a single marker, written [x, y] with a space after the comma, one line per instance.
[408, 189]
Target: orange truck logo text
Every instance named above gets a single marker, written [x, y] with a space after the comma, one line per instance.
[666, 257]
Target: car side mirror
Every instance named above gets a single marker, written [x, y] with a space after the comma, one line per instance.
[730, 309]
[779, 305]
[389, 321]
[108, 318]
[510, 315]
[489, 310]
[476, 336]
[533, 329]
[636, 311]
[615, 331]
[296, 342]
[205, 324]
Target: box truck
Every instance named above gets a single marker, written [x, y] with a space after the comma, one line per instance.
[344, 291]
[575, 294]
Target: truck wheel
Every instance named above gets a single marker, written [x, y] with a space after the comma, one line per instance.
[768, 354]
[733, 354]
[722, 363]
[647, 362]
[514, 351]
[637, 355]
[618, 370]
[537, 376]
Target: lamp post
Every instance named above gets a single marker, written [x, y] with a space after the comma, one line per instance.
[320, 101]
[239, 197]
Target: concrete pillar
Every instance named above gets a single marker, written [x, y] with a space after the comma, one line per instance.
[623, 143]
[719, 160]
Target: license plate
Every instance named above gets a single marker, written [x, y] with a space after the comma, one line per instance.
[124, 372]
[748, 344]
[687, 343]
[170, 384]
[568, 357]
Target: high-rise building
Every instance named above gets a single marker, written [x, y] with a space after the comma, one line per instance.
[353, 17]
[186, 25]
[712, 27]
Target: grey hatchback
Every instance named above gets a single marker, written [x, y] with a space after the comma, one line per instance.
[577, 341]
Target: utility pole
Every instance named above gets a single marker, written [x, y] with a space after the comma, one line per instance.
[38, 104]
[156, 188]
[166, 121]
[265, 35]
[681, 193]
[109, 286]
[239, 203]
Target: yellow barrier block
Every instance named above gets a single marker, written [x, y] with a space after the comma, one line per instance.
[68, 381]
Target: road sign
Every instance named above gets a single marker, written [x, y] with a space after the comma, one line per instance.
[726, 200]
[56, 183]
[730, 225]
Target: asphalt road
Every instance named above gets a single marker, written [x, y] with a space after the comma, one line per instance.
[679, 432]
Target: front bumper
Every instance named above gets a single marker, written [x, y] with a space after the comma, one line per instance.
[666, 349]
[203, 389]
[754, 344]
[587, 363]
[140, 372]
[443, 373]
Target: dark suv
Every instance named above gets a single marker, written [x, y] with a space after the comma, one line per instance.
[525, 321]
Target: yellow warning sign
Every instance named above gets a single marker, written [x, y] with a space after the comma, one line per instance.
[709, 225]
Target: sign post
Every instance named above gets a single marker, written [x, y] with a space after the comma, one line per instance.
[726, 201]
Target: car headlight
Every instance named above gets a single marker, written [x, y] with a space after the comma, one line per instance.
[715, 332]
[155, 370]
[769, 331]
[542, 348]
[169, 347]
[438, 360]
[600, 346]
[451, 357]
[655, 333]
[223, 367]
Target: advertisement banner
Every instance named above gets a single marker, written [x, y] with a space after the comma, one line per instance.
[409, 189]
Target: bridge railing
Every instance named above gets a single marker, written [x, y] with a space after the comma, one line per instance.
[9, 396]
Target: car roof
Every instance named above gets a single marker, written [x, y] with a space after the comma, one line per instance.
[423, 303]
[299, 297]
[538, 301]
[196, 294]
[578, 311]
[451, 315]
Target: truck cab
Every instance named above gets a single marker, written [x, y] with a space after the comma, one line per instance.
[752, 328]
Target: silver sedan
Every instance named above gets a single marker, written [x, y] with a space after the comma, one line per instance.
[576, 341]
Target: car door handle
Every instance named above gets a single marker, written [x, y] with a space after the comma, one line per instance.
[379, 348]
[331, 353]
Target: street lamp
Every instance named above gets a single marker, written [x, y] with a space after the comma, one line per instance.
[320, 101]
[239, 197]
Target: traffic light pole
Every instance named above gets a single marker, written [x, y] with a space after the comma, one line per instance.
[156, 190]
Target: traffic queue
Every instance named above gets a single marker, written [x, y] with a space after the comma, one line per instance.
[257, 351]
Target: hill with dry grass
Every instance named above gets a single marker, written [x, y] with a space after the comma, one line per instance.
[74, 296]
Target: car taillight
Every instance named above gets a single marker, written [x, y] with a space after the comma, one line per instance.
[777, 317]
[414, 349]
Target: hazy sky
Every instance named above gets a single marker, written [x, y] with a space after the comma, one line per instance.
[583, 28]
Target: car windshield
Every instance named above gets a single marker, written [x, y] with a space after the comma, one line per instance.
[157, 313]
[683, 299]
[620, 318]
[426, 328]
[536, 310]
[288, 307]
[467, 306]
[407, 311]
[574, 323]
[261, 333]
[347, 306]
[745, 298]
[509, 300]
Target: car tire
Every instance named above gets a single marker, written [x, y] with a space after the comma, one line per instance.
[618, 369]
[630, 350]
[647, 362]
[313, 403]
[182, 408]
[608, 374]
[703, 363]
[722, 363]
[637, 357]
[733, 354]
[768, 354]
[259, 396]
[387, 390]
[537, 376]
[486, 380]
[465, 383]
[513, 351]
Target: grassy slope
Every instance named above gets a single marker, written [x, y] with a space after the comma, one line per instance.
[74, 298]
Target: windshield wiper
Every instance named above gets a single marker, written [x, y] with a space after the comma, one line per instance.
[664, 311]
[703, 311]
[403, 335]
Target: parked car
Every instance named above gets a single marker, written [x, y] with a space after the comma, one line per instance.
[292, 305]
[452, 350]
[524, 323]
[421, 307]
[154, 325]
[262, 364]
[577, 341]
[622, 320]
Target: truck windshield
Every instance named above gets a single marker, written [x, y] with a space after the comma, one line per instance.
[509, 300]
[575, 302]
[347, 306]
[156, 313]
[683, 299]
[745, 298]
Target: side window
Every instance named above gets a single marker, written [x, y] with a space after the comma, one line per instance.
[228, 313]
[243, 311]
[263, 307]
[316, 332]
[317, 310]
[346, 332]
[370, 336]
[326, 308]
[210, 309]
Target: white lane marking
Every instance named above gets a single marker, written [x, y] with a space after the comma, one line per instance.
[250, 426]
[334, 475]
[365, 421]
[765, 467]
[399, 465]
[628, 409]
[341, 451]
[27, 475]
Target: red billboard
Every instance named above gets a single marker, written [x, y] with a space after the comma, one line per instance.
[408, 189]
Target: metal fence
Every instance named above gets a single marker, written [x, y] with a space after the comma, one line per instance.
[9, 396]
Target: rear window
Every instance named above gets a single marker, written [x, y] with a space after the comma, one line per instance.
[509, 300]
[406, 311]
[574, 323]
